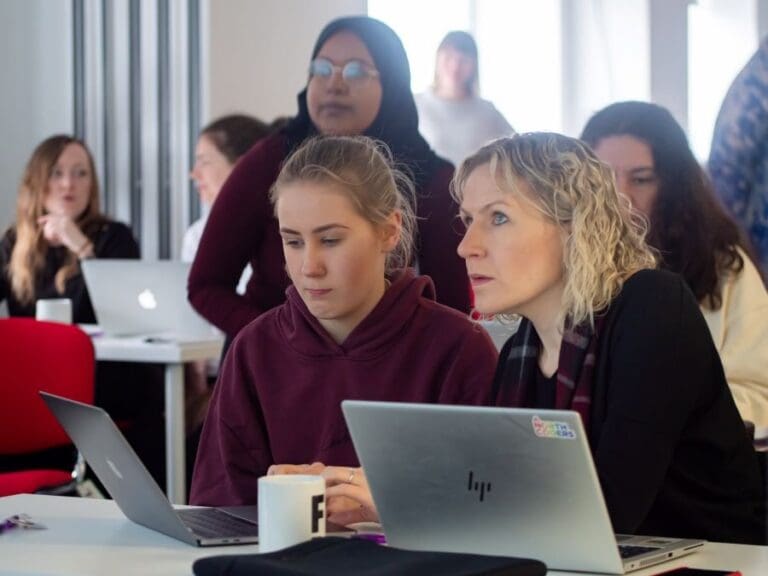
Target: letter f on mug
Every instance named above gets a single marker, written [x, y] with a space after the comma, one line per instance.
[291, 510]
[317, 511]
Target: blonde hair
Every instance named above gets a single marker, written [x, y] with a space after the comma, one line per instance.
[362, 168]
[30, 249]
[605, 239]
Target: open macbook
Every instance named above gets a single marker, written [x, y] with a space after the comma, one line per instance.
[139, 298]
[133, 488]
[498, 481]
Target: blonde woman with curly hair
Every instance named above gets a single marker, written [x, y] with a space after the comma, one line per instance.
[605, 334]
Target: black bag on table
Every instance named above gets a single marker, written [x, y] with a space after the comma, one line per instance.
[332, 556]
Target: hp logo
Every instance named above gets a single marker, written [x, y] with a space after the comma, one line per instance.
[475, 486]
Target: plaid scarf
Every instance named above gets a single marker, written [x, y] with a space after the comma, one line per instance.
[516, 382]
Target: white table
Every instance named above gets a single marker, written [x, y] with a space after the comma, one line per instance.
[92, 537]
[173, 354]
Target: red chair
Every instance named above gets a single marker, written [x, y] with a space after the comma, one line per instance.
[57, 358]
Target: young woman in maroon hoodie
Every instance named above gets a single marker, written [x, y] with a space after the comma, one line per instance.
[356, 324]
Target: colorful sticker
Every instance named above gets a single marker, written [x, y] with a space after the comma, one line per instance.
[550, 429]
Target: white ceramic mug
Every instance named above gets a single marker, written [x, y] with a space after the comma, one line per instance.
[54, 310]
[291, 510]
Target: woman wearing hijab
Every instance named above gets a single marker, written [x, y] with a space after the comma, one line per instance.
[359, 83]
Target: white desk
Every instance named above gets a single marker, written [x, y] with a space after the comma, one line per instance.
[173, 354]
[92, 537]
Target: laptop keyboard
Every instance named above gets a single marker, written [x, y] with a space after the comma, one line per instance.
[213, 523]
[629, 551]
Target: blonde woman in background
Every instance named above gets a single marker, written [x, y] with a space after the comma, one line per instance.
[452, 116]
[59, 223]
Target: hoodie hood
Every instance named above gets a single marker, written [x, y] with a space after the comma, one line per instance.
[372, 337]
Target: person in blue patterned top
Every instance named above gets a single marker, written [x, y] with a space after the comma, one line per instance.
[738, 160]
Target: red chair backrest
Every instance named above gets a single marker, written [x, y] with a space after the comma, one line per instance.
[56, 358]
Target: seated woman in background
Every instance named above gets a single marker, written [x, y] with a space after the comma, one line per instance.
[602, 333]
[359, 83]
[219, 146]
[356, 324]
[655, 168]
[452, 116]
[59, 223]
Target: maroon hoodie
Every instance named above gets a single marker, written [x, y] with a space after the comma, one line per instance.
[278, 397]
[242, 229]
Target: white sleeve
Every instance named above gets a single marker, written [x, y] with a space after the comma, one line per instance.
[743, 343]
[191, 240]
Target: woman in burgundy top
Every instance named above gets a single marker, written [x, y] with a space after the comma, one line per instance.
[359, 83]
[356, 325]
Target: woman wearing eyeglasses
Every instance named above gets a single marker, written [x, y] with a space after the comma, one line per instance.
[359, 83]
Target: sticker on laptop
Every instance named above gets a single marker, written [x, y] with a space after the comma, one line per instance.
[552, 429]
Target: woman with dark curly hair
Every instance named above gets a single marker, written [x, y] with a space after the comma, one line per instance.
[655, 168]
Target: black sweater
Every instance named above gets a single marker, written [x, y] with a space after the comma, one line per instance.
[671, 451]
[110, 240]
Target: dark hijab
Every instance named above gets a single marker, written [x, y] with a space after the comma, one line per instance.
[397, 123]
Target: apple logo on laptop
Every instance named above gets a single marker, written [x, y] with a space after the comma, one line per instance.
[147, 299]
[114, 469]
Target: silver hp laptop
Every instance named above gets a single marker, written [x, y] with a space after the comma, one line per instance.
[137, 297]
[496, 481]
[135, 491]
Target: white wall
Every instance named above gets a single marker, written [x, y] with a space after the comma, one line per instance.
[36, 99]
[606, 57]
[259, 52]
[255, 56]
[723, 35]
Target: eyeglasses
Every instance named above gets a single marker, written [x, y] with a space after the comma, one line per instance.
[354, 72]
